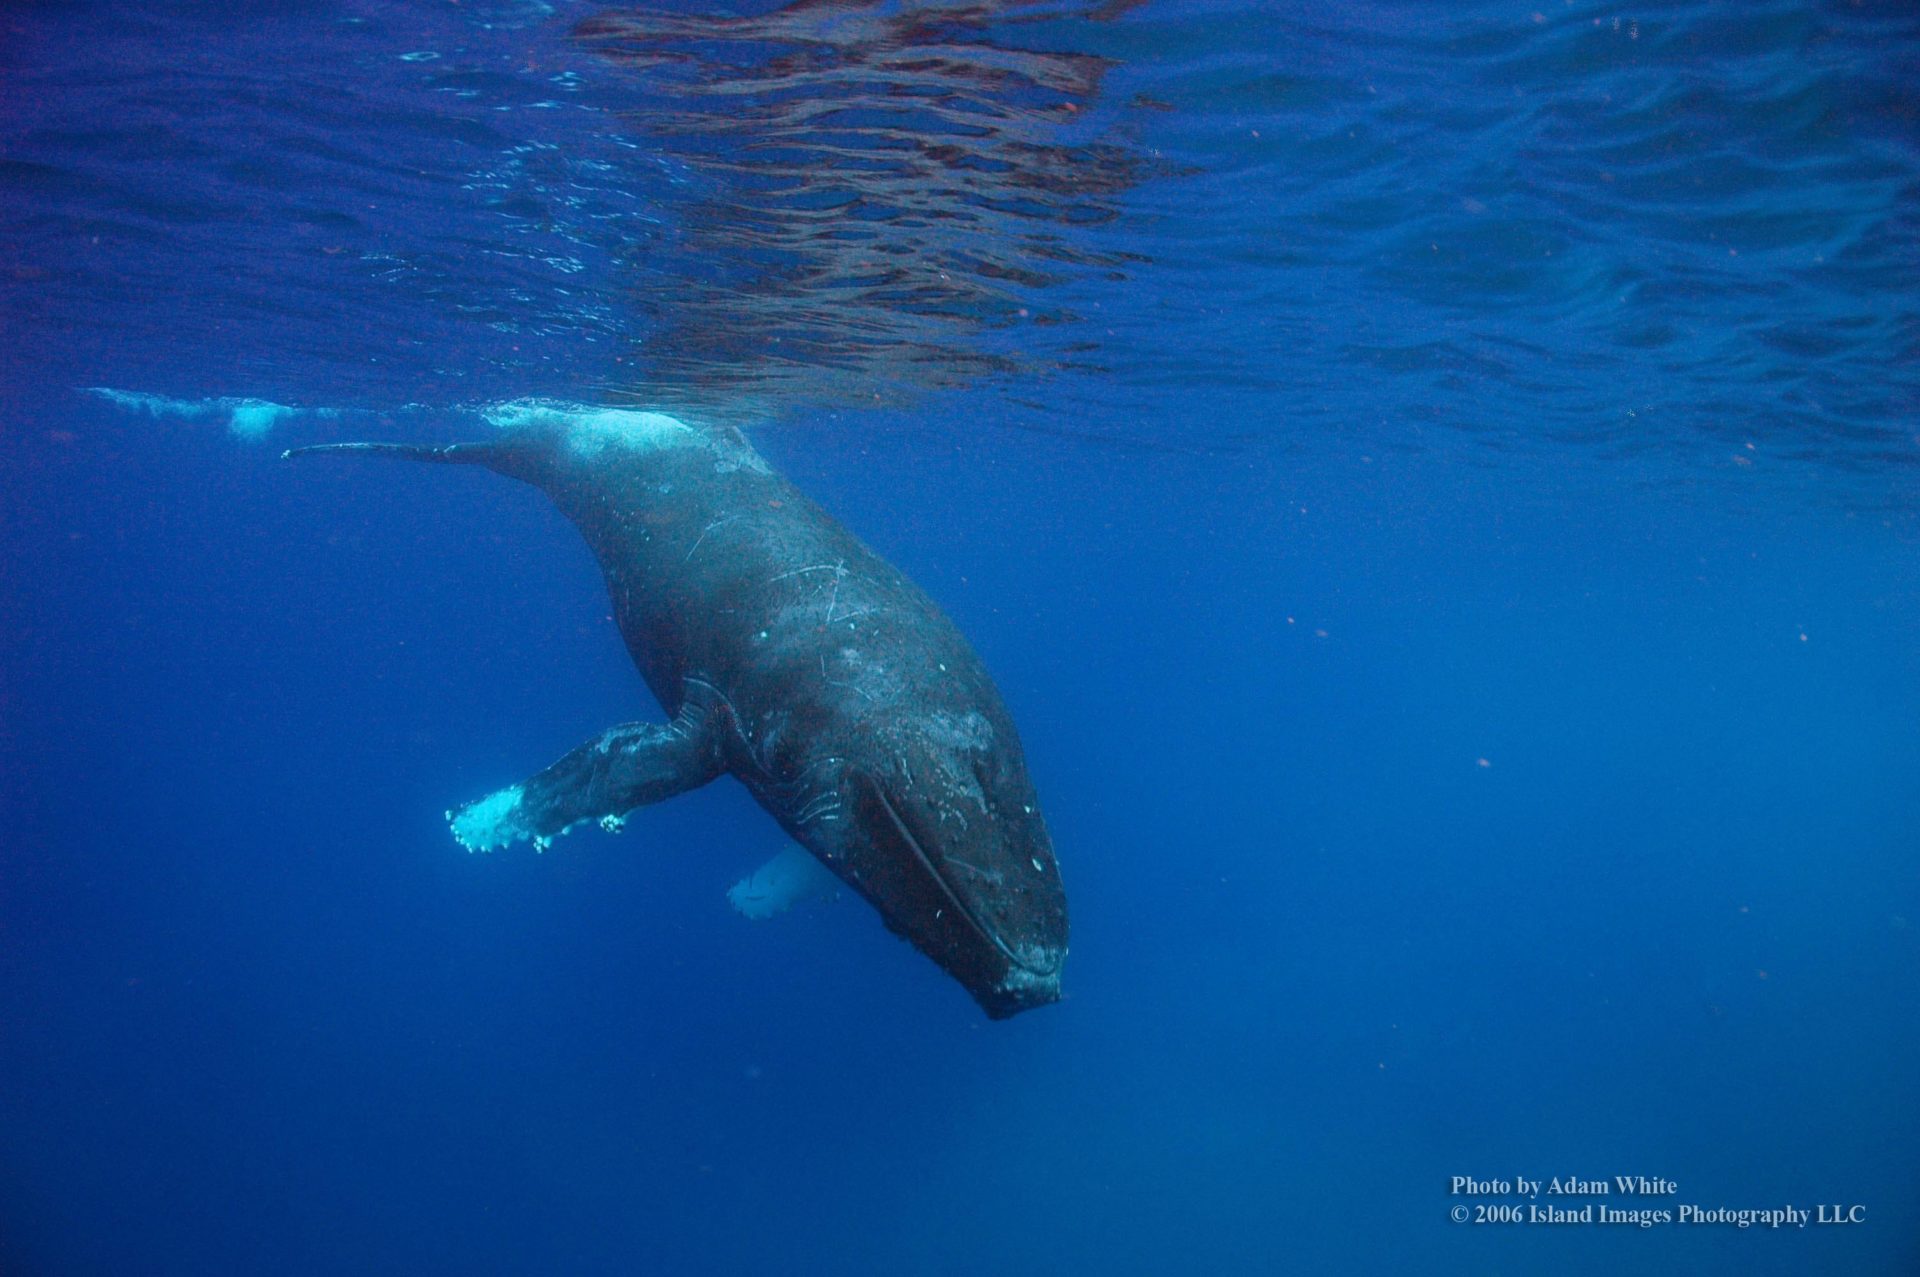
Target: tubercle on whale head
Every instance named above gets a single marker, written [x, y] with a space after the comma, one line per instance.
[949, 846]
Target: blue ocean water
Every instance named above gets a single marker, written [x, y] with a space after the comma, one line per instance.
[1436, 486]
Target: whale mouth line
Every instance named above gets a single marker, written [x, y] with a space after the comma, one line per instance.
[953, 897]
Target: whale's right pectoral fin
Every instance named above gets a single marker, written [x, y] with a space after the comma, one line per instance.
[626, 767]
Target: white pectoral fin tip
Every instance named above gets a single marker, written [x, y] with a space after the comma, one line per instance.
[788, 879]
[493, 821]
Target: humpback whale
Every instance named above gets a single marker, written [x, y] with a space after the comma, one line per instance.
[787, 654]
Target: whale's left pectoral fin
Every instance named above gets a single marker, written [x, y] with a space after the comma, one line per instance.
[626, 767]
[788, 879]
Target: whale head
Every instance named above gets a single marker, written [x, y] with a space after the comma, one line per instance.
[947, 842]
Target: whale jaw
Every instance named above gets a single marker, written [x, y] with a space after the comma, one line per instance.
[1024, 987]
[980, 897]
